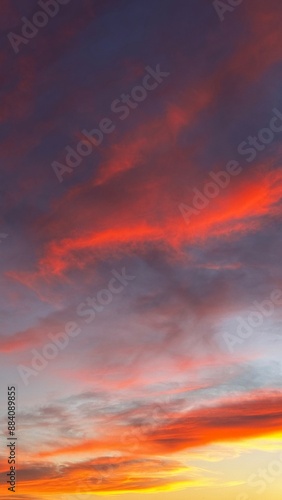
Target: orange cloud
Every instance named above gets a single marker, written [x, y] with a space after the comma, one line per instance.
[106, 475]
[238, 209]
[251, 416]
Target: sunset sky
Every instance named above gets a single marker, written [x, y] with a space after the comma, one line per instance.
[141, 299]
